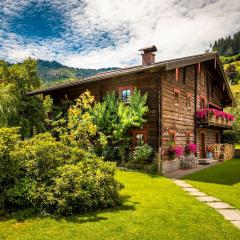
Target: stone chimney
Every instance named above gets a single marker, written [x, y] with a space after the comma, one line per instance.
[148, 55]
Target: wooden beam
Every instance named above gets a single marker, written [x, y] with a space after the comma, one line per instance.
[199, 67]
[177, 74]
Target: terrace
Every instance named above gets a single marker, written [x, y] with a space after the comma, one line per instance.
[214, 118]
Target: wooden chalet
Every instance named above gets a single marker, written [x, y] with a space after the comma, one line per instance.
[177, 89]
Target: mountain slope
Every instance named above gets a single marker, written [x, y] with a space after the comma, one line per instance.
[228, 46]
[52, 72]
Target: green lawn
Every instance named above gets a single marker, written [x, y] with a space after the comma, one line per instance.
[155, 208]
[221, 181]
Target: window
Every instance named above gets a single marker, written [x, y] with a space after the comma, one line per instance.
[181, 74]
[176, 97]
[172, 137]
[125, 93]
[202, 103]
[65, 103]
[188, 137]
[189, 101]
[203, 77]
[139, 138]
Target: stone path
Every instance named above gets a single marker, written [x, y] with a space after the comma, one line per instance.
[182, 172]
[226, 210]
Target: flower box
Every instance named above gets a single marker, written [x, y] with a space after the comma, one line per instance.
[169, 166]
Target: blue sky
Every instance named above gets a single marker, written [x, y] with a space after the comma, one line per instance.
[103, 33]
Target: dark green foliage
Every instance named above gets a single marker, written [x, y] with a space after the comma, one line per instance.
[52, 177]
[228, 46]
[231, 137]
[50, 72]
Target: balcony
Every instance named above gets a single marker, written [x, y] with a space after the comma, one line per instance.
[214, 118]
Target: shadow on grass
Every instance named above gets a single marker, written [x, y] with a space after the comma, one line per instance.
[227, 173]
[94, 216]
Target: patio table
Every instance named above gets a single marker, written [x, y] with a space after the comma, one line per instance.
[189, 162]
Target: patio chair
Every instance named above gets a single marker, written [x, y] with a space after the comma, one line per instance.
[194, 162]
[184, 162]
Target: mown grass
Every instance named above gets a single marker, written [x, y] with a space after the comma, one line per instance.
[221, 181]
[154, 208]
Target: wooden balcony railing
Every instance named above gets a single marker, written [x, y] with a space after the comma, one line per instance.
[214, 118]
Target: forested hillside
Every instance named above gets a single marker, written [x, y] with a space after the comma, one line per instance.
[229, 50]
[50, 72]
[228, 46]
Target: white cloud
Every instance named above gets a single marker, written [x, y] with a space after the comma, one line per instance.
[176, 27]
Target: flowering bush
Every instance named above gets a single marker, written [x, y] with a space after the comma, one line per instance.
[201, 113]
[191, 148]
[210, 149]
[217, 113]
[179, 151]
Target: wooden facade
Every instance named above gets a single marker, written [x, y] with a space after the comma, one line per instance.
[176, 90]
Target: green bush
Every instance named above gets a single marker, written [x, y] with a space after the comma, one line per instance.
[142, 154]
[60, 179]
[231, 137]
[8, 166]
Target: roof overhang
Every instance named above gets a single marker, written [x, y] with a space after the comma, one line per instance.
[168, 65]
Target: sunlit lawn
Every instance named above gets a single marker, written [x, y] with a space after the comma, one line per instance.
[222, 181]
[155, 209]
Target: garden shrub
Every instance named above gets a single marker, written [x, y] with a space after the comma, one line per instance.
[231, 137]
[142, 154]
[60, 179]
[8, 166]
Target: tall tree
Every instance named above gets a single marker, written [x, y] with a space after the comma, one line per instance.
[228, 46]
[20, 110]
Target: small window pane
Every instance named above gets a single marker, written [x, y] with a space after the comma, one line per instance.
[172, 138]
[176, 98]
[202, 103]
[140, 140]
[126, 94]
[189, 102]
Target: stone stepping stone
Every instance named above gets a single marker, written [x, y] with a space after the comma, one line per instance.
[191, 190]
[219, 205]
[182, 184]
[236, 223]
[208, 199]
[197, 194]
[230, 214]
[225, 209]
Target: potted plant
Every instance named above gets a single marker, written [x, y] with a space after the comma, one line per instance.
[179, 151]
[211, 115]
[210, 151]
[171, 152]
[190, 149]
[201, 115]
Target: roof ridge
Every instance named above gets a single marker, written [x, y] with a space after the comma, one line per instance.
[111, 73]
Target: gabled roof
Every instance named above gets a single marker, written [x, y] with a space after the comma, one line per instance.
[168, 65]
